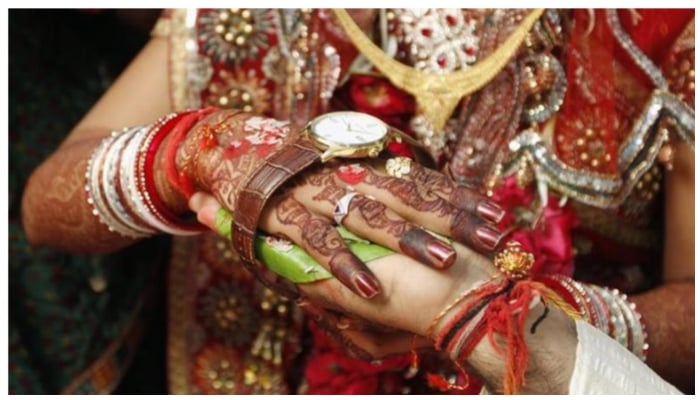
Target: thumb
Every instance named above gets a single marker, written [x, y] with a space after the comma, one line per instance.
[210, 213]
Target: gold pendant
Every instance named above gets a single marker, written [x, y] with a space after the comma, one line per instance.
[437, 95]
[437, 107]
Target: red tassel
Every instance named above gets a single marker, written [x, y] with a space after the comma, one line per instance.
[505, 316]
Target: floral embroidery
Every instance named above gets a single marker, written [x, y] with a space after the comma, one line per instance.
[218, 370]
[226, 313]
[266, 134]
[202, 275]
[234, 35]
[239, 90]
[330, 370]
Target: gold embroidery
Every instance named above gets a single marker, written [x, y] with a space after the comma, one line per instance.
[178, 59]
[239, 90]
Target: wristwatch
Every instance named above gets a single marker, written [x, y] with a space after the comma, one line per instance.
[345, 134]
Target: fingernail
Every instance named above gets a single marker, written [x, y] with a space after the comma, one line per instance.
[196, 201]
[421, 246]
[366, 284]
[490, 211]
[488, 236]
[445, 254]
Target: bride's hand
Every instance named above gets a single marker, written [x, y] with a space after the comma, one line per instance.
[389, 211]
[392, 211]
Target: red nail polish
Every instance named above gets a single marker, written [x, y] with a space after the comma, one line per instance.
[488, 236]
[366, 284]
[445, 254]
[490, 211]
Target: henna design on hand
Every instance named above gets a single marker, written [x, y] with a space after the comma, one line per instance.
[210, 159]
[320, 176]
[320, 237]
[456, 193]
[330, 194]
[413, 241]
[443, 186]
[421, 246]
[55, 194]
[417, 197]
[377, 216]
[374, 213]
[461, 224]
[387, 227]
[316, 233]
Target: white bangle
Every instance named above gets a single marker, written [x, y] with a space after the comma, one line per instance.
[129, 167]
[109, 184]
[96, 192]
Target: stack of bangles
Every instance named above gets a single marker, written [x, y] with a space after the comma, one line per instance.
[607, 309]
[120, 180]
[499, 307]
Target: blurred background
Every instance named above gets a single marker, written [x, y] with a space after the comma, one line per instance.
[60, 62]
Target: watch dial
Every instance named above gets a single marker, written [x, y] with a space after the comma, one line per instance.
[347, 128]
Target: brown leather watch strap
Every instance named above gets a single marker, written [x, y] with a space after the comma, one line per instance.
[272, 173]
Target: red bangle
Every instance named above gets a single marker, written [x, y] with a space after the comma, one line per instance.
[146, 183]
[179, 132]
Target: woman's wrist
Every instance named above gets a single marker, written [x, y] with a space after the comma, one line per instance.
[175, 182]
[195, 154]
[174, 199]
[129, 187]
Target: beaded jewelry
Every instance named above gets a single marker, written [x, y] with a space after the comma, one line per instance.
[120, 182]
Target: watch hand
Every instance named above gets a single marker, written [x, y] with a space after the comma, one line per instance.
[362, 130]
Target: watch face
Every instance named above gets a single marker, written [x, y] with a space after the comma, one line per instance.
[348, 129]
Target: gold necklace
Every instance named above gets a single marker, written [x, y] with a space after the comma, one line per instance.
[437, 95]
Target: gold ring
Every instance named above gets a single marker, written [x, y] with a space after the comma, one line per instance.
[398, 166]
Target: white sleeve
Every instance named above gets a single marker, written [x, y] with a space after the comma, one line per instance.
[605, 367]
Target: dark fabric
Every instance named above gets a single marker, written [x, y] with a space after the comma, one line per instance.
[60, 62]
